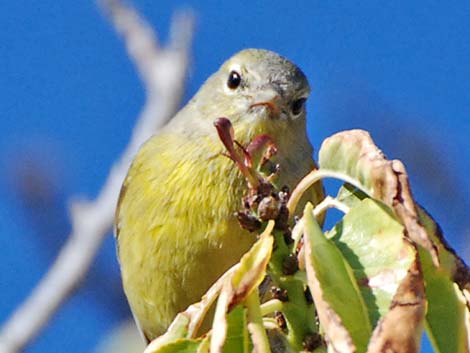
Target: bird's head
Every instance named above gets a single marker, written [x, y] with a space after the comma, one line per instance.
[254, 89]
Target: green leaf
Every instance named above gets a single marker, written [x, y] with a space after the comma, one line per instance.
[350, 195]
[177, 331]
[237, 333]
[445, 319]
[372, 241]
[447, 310]
[386, 266]
[182, 346]
[340, 306]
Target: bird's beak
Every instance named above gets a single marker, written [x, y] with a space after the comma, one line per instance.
[270, 98]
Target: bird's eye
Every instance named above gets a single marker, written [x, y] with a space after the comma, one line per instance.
[298, 105]
[234, 80]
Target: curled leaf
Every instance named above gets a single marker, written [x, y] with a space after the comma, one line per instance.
[196, 312]
[242, 160]
[238, 287]
[174, 341]
[354, 153]
[226, 134]
[252, 269]
[261, 149]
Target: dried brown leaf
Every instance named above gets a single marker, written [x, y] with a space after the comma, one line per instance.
[399, 331]
[354, 153]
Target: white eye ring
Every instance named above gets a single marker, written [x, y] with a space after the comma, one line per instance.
[235, 68]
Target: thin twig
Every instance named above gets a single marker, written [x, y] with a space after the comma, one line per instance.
[163, 71]
[313, 177]
[271, 306]
[327, 203]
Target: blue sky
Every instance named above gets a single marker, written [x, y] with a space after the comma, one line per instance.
[70, 97]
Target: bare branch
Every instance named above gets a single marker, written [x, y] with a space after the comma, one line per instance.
[163, 71]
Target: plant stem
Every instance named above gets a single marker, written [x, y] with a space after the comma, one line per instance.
[271, 306]
[312, 178]
[298, 313]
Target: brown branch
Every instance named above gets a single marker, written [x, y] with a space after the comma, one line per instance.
[163, 71]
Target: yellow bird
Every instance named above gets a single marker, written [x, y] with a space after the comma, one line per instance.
[176, 227]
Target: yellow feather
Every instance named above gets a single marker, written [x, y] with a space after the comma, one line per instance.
[175, 223]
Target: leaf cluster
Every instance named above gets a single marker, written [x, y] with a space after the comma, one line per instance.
[372, 283]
